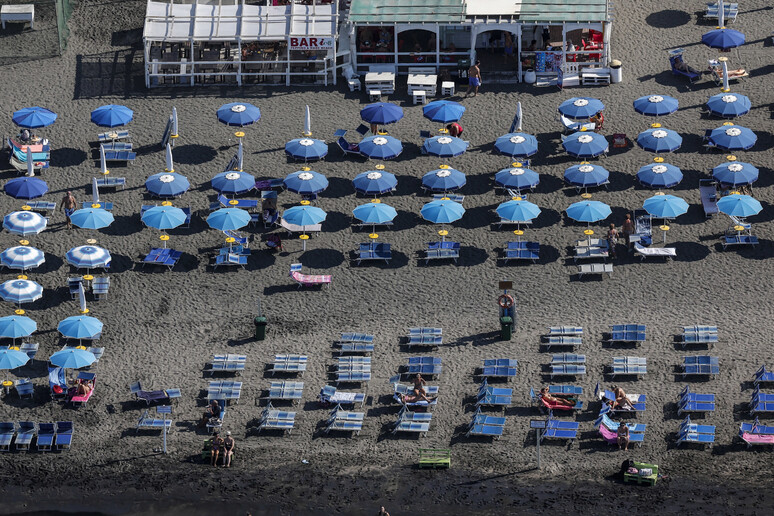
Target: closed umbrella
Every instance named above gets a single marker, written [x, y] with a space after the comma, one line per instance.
[30, 162]
[92, 218]
[34, 117]
[167, 184]
[238, 114]
[733, 137]
[22, 257]
[729, 105]
[170, 162]
[517, 145]
[381, 113]
[665, 206]
[233, 182]
[578, 108]
[375, 182]
[175, 134]
[443, 111]
[656, 105]
[163, 217]
[16, 326]
[103, 161]
[80, 327]
[306, 182]
[659, 140]
[307, 149]
[26, 187]
[20, 291]
[443, 146]
[94, 191]
[12, 358]
[739, 205]
[24, 223]
[307, 122]
[228, 219]
[112, 115]
[88, 257]
[659, 175]
[240, 156]
[380, 147]
[443, 180]
[72, 358]
[735, 173]
[304, 216]
[517, 178]
[583, 144]
[586, 175]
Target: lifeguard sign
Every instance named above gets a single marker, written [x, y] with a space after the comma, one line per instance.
[310, 43]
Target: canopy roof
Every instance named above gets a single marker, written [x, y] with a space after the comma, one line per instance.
[206, 21]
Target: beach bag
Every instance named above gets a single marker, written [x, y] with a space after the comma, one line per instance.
[632, 471]
[646, 472]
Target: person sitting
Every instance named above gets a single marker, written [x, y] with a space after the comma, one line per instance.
[623, 436]
[274, 242]
[681, 65]
[598, 120]
[228, 449]
[212, 410]
[25, 136]
[621, 401]
[557, 399]
[454, 129]
[217, 444]
[83, 388]
[419, 384]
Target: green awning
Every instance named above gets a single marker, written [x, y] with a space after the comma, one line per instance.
[406, 11]
[544, 11]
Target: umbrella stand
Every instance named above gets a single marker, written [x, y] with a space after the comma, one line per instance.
[304, 237]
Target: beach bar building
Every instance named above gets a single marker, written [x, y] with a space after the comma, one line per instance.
[240, 42]
[515, 38]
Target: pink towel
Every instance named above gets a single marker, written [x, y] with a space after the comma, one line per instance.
[757, 438]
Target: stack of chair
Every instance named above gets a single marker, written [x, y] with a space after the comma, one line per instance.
[692, 433]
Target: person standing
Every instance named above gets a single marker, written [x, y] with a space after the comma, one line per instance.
[474, 78]
[627, 228]
[612, 239]
[68, 205]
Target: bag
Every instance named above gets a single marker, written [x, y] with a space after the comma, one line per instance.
[632, 471]
[646, 472]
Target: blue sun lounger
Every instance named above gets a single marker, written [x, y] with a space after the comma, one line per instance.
[46, 435]
[7, 433]
[567, 358]
[148, 422]
[424, 340]
[686, 436]
[230, 259]
[565, 330]
[627, 333]
[356, 347]
[756, 428]
[286, 390]
[761, 402]
[355, 337]
[289, 364]
[342, 422]
[634, 366]
[557, 340]
[486, 426]
[493, 396]
[441, 254]
[691, 427]
[413, 422]
[522, 250]
[424, 365]
[25, 431]
[273, 419]
[763, 376]
[161, 256]
[424, 330]
[499, 368]
[567, 370]
[64, 435]
[330, 395]
[374, 251]
[118, 155]
[228, 363]
[555, 429]
[220, 390]
[701, 365]
[634, 428]
[638, 401]
[700, 328]
[685, 405]
[110, 136]
[399, 390]
[687, 395]
[699, 338]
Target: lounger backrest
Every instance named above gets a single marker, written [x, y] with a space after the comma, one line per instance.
[295, 267]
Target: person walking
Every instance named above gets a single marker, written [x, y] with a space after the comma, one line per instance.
[474, 78]
[69, 204]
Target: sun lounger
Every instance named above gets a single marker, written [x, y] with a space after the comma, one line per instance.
[286, 390]
[555, 429]
[100, 287]
[353, 375]
[576, 331]
[228, 363]
[346, 147]
[700, 328]
[117, 146]
[273, 419]
[413, 422]
[308, 280]
[147, 422]
[730, 11]
[330, 395]
[687, 395]
[567, 370]
[756, 439]
[159, 396]
[606, 397]
[687, 406]
[547, 406]
[24, 433]
[424, 340]
[230, 259]
[634, 428]
[691, 427]
[46, 435]
[224, 390]
[611, 437]
[595, 268]
[400, 390]
[119, 155]
[356, 347]
[356, 337]
[111, 135]
[649, 252]
[64, 435]
[590, 253]
[7, 433]
[627, 333]
[628, 366]
[763, 376]
[345, 421]
[493, 396]
[522, 251]
[24, 387]
[701, 365]
[499, 368]
[761, 402]
[374, 251]
[486, 425]
[441, 254]
[563, 341]
[111, 182]
[567, 358]
[84, 376]
[289, 364]
[162, 256]
[709, 195]
[571, 126]
[676, 57]
[732, 240]
[756, 428]
[425, 330]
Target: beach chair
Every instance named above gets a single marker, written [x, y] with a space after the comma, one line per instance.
[24, 387]
[147, 422]
[756, 439]
[567, 370]
[555, 429]
[83, 376]
[691, 427]
[424, 365]
[735, 240]
[549, 407]
[638, 401]
[434, 458]
[590, 253]
[157, 396]
[346, 147]
[709, 196]
[485, 425]
[329, 395]
[424, 330]
[230, 259]
[424, 340]
[226, 390]
[692, 337]
[343, 420]
[24, 433]
[691, 437]
[110, 136]
[499, 368]
[100, 287]
[111, 182]
[687, 395]
[245, 204]
[627, 333]
[46, 436]
[493, 396]
[650, 252]
[763, 376]
[413, 422]
[442, 253]
[679, 67]
[355, 337]
[611, 436]
[558, 340]
[716, 72]
[634, 366]
[374, 251]
[521, 250]
[285, 363]
[228, 363]
[634, 428]
[686, 405]
[119, 155]
[162, 256]
[273, 419]
[286, 390]
[701, 365]
[576, 331]
[7, 433]
[567, 358]
[308, 280]
[73, 285]
[730, 11]
[217, 422]
[595, 268]
[401, 390]
[30, 348]
[64, 435]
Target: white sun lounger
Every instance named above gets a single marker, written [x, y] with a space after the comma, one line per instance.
[595, 268]
[648, 252]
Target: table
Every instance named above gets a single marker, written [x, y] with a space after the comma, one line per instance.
[382, 81]
[18, 13]
[422, 82]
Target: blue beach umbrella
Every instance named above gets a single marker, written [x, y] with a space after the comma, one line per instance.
[167, 184]
[24, 223]
[442, 212]
[588, 211]
[20, 291]
[22, 258]
[233, 182]
[518, 211]
[723, 38]
[517, 145]
[733, 137]
[584, 144]
[34, 117]
[517, 178]
[586, 174]
[163, 217]
[443, 111]
[88, 257]
[735, 173]
[239, 114]
[659, 140]
[112, 115]
[72, 358]
[374, 213]
[443, 180]
[304, 215]
[16, 326]
[381, 113]
[92, 218]
[306, 182]
[665, 206]
[655, 105]
[228, 219]
[729, 105]
[12, 358]
[307, 149]
[26, 187]
[375, 182]
[80, 327]
[443, 146]
[659, 175]
[381, 147]
[579, 108]
[739, 205]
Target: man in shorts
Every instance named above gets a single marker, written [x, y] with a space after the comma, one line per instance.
[474, 79]
[68, 204]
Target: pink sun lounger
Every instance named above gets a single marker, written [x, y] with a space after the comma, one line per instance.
[756, 439]
[308, 280]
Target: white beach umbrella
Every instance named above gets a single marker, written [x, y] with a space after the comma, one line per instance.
[94, 191]
[307, 122]
[30, 163]
[175, 134]
[102, 160]
[725, 76]
[240, 157]
[82, 298]
[518, 116]
[170, 163]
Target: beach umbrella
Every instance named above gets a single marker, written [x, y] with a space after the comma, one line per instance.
[306, 182]
[723, 38]
[228, 219]
[170, 162]
[578, 108]
[307, 122]
[167, 184]
[72, 358]
[444, 179]
[655, 105]
[739, 205]
[517, 145]
[442, 212]
[729, 105]
[304, 215]
[665, 206]
[112, 115]
[443, 146]
[12, 358]
[233, 182]
[380, 147]
[163, 217]
[443, 111]
[33, 117]
[375, 182]
[518, 211]
[735, 173]
[16, 326]
[517, 178]
[80, 327]
[374, 213]
[238, 114]
[26, 187]
[586, 174]
[30, 162]
[658, 139]
[88, 257]
[588, 211]
[381, 113]
[659, 175]
[583, 144]
[24, 223]
[92, 218]
[20, 291]
[733, 137]
[307, 149]
[22, 257]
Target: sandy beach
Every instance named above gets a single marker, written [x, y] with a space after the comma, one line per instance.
[163, 327]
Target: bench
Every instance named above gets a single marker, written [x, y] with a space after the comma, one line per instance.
[434, 458]
[18, 13]
[595, 76]
[595, 268]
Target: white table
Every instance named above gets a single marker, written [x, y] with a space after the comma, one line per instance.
[382, 81]
[421, 82]
[18, 13]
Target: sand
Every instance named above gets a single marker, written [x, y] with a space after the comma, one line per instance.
[162, 327]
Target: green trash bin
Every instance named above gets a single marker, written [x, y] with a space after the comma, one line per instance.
[260, 328]
[506, 324]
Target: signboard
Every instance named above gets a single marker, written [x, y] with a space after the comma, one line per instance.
[310, 42]
[537, 423]
[506, 285]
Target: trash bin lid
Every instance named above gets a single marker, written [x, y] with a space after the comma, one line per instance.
[615, 63]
